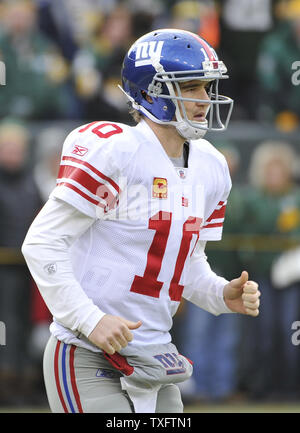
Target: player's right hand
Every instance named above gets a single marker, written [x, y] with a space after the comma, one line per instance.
[112, 333]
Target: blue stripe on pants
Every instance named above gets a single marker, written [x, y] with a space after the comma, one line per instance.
[63, 359]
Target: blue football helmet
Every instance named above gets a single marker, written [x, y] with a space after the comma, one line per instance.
[157, 63]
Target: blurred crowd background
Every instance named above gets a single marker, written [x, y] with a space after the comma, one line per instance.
[63, 60]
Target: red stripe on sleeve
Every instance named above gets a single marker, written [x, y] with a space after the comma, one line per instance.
[80, 176]
[93, 169]
[217, 213]
[210, 226]
[87, 181]
[74, 188]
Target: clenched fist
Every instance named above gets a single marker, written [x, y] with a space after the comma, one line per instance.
[112, 333]
[242, 295]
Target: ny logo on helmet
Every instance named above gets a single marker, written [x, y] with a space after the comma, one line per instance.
[145, 51]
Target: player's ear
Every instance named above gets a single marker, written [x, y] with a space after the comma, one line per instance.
[147, 97]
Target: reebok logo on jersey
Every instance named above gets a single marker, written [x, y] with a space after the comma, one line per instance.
[79, 150]
[160, 187]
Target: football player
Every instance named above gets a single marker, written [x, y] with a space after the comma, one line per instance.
[121, 239]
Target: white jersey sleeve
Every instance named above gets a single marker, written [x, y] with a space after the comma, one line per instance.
[205, 288]
[213, 223]
[46, 251]
[92, 159]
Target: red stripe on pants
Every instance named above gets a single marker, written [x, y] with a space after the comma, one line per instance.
[73, 378]
[56, 373]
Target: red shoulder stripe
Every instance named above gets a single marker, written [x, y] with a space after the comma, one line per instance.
[80, 176]
[88, 182]
[94, 170]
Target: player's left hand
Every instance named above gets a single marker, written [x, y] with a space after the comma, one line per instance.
[242, 295]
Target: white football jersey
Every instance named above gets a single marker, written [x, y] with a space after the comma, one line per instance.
[134, 261]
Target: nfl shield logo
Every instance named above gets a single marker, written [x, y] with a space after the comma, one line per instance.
[181, 172]
[50, 268]
[160, 187]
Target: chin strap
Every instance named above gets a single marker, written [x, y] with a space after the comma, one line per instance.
[189, 132]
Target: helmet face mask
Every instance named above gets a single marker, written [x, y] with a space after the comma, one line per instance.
[158, 63]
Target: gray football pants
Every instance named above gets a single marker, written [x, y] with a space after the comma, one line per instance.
[79, 380]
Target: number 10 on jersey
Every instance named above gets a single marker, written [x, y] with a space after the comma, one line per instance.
[148, 284]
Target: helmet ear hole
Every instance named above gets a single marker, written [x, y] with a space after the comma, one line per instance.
[146, 97]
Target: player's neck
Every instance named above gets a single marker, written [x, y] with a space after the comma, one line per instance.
[169, 138]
